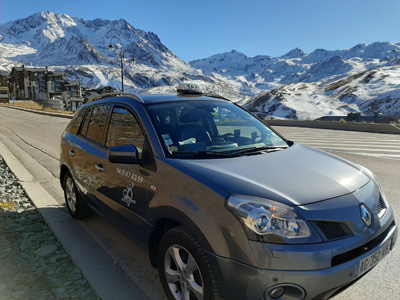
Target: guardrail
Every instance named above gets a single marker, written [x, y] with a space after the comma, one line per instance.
[350, 126]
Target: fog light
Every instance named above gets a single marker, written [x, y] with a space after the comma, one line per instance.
[277, 293]
[285, 291]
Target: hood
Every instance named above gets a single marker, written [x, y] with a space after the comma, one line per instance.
[295, 176]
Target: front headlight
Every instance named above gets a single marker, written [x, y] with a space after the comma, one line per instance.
[268, 221]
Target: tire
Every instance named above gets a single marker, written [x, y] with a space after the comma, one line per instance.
[184, 269]
[75, 204]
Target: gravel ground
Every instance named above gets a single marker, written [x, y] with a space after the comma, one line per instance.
[33, 263]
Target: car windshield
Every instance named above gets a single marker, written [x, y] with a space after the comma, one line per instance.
[206, 128]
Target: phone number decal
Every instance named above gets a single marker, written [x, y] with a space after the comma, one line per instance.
[130, 175]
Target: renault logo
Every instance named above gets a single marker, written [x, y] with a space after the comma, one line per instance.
[365, 215]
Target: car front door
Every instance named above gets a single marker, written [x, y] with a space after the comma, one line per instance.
[126, 188]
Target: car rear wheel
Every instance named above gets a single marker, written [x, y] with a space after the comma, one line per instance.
[75, 204]
[184, 269]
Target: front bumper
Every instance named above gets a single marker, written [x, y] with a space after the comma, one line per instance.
[239, 281]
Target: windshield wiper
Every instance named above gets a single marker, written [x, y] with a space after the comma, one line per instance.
[211, 153]
[258, 150]
[205, 153]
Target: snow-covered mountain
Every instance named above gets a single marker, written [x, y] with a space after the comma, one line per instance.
[81, 48]
[59, 37]
[370, 91]
[365, 78]
[296, 66]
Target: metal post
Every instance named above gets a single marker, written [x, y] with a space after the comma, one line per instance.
[122, 71]
[122, 52]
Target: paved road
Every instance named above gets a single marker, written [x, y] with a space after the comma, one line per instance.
[360, 143]
[34, 140]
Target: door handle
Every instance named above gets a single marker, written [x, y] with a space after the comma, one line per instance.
[99, 167]
[72, 152]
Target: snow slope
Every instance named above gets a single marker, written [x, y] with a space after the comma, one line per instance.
[369, 91]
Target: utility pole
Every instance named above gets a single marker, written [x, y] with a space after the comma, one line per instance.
[121, 54]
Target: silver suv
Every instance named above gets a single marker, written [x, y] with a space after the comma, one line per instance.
[226, 206]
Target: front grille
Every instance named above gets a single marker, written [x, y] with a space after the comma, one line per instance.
[347, 256]
[333, 230]
[381, 207]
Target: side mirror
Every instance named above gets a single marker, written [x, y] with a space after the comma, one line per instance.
[126, 154]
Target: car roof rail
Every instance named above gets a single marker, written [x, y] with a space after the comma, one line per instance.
[117, 94]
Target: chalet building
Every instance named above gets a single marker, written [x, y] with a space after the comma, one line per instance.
[90, 93]
[4, 90]
[42, 85]
[72, 95]
[4, 76]
[55, 84]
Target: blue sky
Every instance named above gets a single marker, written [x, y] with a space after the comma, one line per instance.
[198, 29]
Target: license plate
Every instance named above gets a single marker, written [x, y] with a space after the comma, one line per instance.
[372, 260]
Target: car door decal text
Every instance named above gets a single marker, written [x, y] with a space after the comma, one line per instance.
[128, 174]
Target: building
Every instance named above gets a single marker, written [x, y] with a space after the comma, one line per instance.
[44, 86]
[4, 90]
[55, 84]
[4, 77]
[73, 95]
[90, 93]
[28, 83]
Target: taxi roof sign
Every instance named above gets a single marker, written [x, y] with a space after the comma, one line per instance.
[188, 88]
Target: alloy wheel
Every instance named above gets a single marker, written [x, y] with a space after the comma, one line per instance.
[183, 274]
[70, 193]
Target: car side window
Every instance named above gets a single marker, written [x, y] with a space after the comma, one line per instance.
[124, 130]
[95, 123]
[76, 123]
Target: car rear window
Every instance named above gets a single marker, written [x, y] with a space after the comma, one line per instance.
[76, 121]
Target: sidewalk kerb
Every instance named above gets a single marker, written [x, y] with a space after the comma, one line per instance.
[41, 112]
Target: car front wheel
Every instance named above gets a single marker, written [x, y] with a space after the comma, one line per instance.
[184, 269]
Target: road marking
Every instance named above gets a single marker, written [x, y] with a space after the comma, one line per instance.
[367, 144]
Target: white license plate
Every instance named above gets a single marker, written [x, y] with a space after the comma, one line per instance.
[372, 260]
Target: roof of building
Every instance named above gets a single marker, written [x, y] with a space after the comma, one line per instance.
[30, 69]
[55, 73]
[72, 83]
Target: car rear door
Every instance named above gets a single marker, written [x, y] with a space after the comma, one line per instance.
[88, 152]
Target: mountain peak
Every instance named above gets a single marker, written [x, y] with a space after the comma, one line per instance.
[295, 53]
[47, 14]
